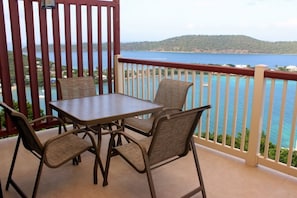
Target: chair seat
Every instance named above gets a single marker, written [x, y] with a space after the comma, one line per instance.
[136, 159]
[65, 148]
[143, 125]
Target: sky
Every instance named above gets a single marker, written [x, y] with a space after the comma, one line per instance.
[155, 20]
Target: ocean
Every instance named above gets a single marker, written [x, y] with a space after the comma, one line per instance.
[271, 60]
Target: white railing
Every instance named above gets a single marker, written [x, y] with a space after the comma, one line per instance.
[245, 104]
[280, 109]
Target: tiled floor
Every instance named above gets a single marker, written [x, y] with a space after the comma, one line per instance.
[224, 176]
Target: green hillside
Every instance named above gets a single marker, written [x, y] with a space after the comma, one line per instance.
[215, 44]
[233, 44]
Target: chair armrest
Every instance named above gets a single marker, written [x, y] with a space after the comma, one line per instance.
[125, 135]
[55, 138]
[165, 111]
[169, 110]
[132, 139]
[46, 117]
[61, 121]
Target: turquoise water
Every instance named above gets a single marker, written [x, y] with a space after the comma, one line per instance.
[288, 110]
[276, 109]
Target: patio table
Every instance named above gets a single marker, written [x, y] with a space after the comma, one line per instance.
[102, 109]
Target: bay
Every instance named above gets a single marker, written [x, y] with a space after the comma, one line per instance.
[271, 60]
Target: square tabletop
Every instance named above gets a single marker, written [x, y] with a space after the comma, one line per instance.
[103, 108]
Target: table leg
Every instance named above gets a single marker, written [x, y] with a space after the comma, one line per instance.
[110, 151]
[1, 193]
[99, 141]
[98, 149]
[109, 155]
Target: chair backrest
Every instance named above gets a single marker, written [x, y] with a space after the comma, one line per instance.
[76, 87]
[26, 131]
[172, 93]
[173, 133]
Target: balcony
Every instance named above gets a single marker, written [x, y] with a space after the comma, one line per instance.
[224, 176]
[247, 143]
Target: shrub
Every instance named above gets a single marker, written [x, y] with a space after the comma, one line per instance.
[15, 106]
[284, 152]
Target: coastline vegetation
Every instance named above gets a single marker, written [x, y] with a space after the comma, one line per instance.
[40, 70]
[15, 106]
[271, 151]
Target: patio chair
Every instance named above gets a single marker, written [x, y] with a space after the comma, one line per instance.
[172, 139]
[172, 94]
[54, 152]
[78, 87]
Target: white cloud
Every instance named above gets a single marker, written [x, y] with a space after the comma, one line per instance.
[288, 23]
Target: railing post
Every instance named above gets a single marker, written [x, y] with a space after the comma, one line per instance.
[118, 70]
[256, 116]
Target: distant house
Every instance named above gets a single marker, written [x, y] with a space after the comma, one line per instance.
[241, 66]
[53, 80]
[291, 68]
